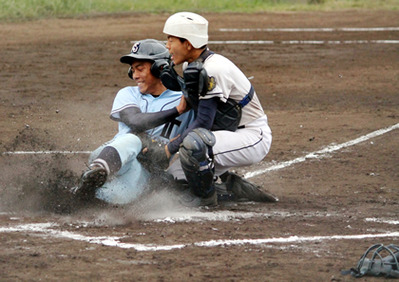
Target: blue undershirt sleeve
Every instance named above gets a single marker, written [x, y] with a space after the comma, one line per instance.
[139, 122]
[205, 116]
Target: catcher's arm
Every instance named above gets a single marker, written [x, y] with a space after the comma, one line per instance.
[205, 117]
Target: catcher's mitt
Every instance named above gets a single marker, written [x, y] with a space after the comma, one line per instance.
[153, 156]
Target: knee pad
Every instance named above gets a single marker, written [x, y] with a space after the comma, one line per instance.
[196, 148]
[197, 160]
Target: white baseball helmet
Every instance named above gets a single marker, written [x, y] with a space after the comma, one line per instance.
[190, 26]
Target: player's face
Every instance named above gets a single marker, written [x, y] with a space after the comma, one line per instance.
[147, 83]
[178, 50]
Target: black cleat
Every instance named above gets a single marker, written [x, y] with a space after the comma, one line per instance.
[188, 199]
[90, 180]
[243, 190]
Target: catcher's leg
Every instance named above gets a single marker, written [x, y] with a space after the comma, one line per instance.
[195, 157]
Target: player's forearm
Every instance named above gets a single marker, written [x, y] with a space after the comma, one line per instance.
[205, 117]
[139, 122]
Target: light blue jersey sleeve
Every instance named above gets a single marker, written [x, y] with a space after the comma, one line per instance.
[125, 98]
[131, 97]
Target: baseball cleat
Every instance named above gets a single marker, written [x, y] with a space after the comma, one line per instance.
[223, 194]
[188, 199]
[90, 180]
[243, 190]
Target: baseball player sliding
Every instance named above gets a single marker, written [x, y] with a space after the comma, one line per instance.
[230, 128]
[144, 112]
[154, 122]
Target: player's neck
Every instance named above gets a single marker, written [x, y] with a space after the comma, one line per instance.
[159, 90]
[194, 54]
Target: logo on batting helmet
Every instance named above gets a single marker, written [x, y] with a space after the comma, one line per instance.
[151, 50]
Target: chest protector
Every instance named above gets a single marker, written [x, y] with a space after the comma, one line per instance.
[228, 114]
[195, 83]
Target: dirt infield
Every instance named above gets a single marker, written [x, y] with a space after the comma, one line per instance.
[58, 80]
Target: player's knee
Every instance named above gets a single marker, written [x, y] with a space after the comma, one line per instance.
[196, 161]
[195, 148]
[129, 139]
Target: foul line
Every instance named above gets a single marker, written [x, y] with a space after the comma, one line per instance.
[314, 155]
[45, 152]
[305, 42]
[379, 220]
[323, 152]
[116, 241]
[329, 29]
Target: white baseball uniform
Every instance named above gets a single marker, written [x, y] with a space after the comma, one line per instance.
[251, 142]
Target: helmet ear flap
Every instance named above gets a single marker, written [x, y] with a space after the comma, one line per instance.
[157, 67]
[130, 73]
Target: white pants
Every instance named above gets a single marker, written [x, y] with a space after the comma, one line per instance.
[243, 147]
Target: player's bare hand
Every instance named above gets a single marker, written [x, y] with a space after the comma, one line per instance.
[168, 155]
[183, 106]
[174, 138]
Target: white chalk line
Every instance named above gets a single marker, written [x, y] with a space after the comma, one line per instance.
[380, 220]
[45, 152]
[44, 230]
[298, 42]
[323, 152]
[307, 42]
[115, 241]
[328, 29]
[228, 216]
[314, 155]
[303, 42]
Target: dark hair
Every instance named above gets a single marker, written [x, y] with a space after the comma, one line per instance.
[182, 40]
